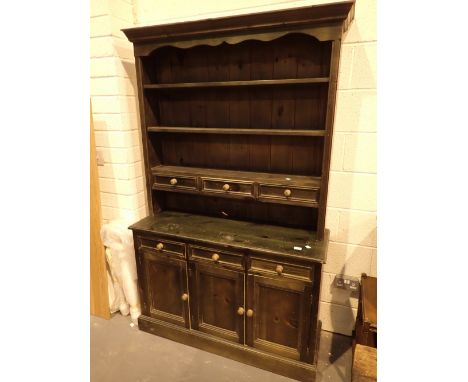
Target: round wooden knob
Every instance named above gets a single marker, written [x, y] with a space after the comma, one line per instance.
[279, 269]
[215, 257]
[184, 297]
[240, 311]
[249, 312]
[287, 192]
[173, 181]
[159, 246]
[226, 187]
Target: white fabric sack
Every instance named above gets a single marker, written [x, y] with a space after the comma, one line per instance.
[120, 255]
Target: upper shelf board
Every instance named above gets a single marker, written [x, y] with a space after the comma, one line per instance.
[221, 84]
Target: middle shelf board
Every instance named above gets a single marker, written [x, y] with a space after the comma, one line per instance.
[296, 190]
[214, 130]
[224, 84]
[260, 177]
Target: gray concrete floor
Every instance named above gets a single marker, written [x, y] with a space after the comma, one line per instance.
[120, 353]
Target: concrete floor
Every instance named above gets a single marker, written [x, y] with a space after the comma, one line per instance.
[120, 353]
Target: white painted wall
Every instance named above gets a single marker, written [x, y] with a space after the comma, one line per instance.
[114, 103]
[351, 213]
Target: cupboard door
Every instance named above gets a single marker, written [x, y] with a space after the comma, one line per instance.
[278, 314]
[166, 287]
[217, 303]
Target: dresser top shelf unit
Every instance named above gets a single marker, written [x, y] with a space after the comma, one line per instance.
[287, 242]
[246, 103]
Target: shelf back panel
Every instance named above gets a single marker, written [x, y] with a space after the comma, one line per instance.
[294, 55]
[272, 107]
[276, 154]
[245, 210]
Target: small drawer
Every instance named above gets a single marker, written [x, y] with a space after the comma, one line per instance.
[164, 246]
[280, 269]
[236, 188]
[217, 257]
[292, 194]
[175, 182]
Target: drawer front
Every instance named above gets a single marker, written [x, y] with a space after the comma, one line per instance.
[300, 195]
[217, 257]
[164, 246]
[280, 269]
[235, 188]
[175, 182]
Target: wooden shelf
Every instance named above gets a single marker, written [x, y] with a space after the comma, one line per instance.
[223, 84]
[208, 130]
[282, 241]
[260, 177]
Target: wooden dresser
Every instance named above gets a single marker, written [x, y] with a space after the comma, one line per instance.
[236, 122]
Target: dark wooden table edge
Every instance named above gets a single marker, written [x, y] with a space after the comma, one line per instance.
[179, 237]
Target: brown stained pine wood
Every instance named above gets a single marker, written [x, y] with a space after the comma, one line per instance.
[246, 210]
[369, 300]
[366, 320]
[219, 295]
[148, 150]
[237, 122]
[259, 177]
[235, 131]
[161, 272]
[304, 154]
[335, 13]
[330, 115]
[234, 233]
[221, 84]
[364, 364]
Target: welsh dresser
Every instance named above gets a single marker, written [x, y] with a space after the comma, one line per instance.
[236, 124]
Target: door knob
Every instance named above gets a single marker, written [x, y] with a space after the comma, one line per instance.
[173, 181]
[249, 312]
[226, 187]
[159, 246]
[215, 257]
[184, 297]
[240, 311]
[287, 192]
[279, 269]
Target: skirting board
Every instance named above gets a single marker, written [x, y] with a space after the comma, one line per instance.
[242, 353]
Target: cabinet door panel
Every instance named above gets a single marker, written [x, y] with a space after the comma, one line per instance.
[219, 295]
[166, 283]
[281, 315]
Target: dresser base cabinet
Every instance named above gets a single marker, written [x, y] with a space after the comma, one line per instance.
[236, 297]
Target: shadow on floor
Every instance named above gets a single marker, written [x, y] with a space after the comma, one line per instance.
[121, 353]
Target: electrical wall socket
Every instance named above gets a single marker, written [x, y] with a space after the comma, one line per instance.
[347, 282]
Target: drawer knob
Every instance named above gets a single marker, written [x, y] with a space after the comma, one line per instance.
[184, 297]
[215, 257]
[279, 269]
[287, 192]
[240, 311]
[226, 187]
[159, 246]
[249, 312]
[173, 181]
